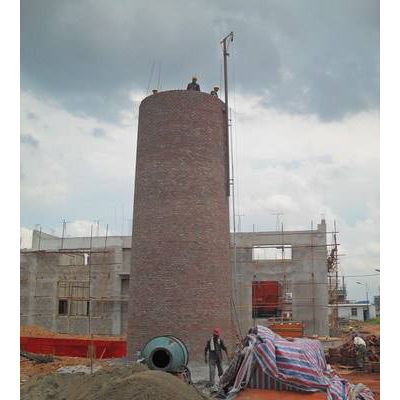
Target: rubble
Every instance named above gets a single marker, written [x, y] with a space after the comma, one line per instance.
[346, 354]
[78, 369]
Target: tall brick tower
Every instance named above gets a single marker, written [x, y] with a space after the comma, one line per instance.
[180, 272]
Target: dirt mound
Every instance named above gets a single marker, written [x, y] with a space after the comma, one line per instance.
[39, 331]
[36, 331]
[29, 368]
[122, 383]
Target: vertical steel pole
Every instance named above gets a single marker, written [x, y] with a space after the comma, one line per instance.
[336, 313]
[63, 233]
[105, 240]
[40, 237]
[90, 303]
[230, 178]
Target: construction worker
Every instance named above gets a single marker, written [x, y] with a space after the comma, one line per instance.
[214, 92]
[361, 348]
[193, 85]
[214, 347]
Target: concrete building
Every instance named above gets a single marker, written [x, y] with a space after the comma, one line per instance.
[377, 304]
[55, 280]
[296, 261]
[55, 290]
[356, 311]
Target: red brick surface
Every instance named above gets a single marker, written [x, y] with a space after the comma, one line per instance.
[180, 278]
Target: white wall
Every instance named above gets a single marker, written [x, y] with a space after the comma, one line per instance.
[345, 311]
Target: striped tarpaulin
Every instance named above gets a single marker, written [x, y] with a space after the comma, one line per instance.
[298, 365]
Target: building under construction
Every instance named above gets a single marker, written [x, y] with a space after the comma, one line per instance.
[181, 273]
[80, 285]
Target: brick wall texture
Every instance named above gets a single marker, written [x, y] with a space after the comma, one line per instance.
[180, 272]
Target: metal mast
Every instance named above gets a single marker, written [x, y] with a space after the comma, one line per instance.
[230, 179]
[226, 54]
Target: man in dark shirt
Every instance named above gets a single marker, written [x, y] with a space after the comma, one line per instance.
[214, 92]
[214, 347]
[193, 85]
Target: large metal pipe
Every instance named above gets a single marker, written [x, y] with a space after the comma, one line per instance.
[166, 353]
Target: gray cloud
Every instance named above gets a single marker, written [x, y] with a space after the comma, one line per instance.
[319, 57]
[31, 115]
[22, 174]
[265, 163]
[99, 132]
[29, 140]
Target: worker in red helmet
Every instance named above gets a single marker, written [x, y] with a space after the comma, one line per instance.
[214, 347]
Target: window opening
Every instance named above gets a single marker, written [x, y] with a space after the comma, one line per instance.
[272, 252]
[62, 307]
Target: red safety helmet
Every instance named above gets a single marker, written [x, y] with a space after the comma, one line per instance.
[217, 332]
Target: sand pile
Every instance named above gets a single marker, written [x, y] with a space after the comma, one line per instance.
[121, 383]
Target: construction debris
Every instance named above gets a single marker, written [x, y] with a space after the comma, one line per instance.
[346, 354]
[37, 358]
[29, 368]
[271, 362]
[78, 369]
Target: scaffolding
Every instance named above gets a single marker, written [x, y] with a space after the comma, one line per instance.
[73, 291]
[290, 295]
[337, 293]
[101, 305]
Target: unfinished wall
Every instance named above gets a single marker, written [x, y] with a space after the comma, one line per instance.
[48, 277]
[180, 276]
[41, 272]
[306, 275]
[44, 241]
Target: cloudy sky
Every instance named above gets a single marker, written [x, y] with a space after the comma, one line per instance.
[304, 80]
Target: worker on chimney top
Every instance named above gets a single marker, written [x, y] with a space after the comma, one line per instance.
[193, 85]
[214, 347]
[214, 92]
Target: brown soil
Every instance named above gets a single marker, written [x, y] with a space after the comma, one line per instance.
[365, 327]
[122, 383]
[38, 331]
[372, 329]
[29, 369]
[371, 380]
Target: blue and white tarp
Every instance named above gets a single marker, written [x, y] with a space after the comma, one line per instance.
[299, 364]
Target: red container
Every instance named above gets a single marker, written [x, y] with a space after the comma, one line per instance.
[266, 298]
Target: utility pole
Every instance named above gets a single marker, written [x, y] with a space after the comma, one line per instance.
[240, 221]
[277, 223]
[105, 239]
[40, 237]
[63, 233]
[89, 304]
